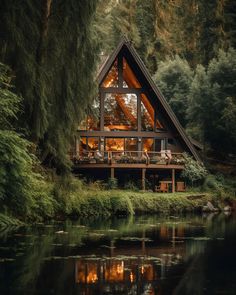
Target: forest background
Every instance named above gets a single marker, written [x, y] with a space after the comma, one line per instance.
[49, 53]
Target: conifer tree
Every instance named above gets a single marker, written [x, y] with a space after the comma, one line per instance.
[50, 47]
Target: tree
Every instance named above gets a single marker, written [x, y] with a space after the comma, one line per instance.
[200, 115]
[16, 176]
[174, 77]
[193, 170]
[51, 48]
[213, 102]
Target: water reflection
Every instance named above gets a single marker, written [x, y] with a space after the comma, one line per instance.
[142, 255]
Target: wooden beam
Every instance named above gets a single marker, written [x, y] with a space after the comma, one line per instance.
[129, 166]
[160, 134]
[173, 180]
[143, 179]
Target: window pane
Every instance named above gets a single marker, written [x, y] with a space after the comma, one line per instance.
[92, 120]
[129, 78]
[160, 144]
[148, 144]
[115, 144]
[82, 146]
[111, 80]
[93, 144]
[147, 114]
[120, 112]
[131, 144]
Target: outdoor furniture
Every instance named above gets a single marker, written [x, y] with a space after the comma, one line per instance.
[162, 188]
[180, 186]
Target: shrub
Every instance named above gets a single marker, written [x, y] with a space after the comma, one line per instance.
[193, 170]
[112, 183]
[130, 185]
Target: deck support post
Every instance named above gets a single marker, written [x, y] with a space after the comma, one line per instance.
[112, 172]
[173, 180]
[143, 178]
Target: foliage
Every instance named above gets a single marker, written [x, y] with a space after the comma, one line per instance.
[174, 77]
[112, 183]
[131, 185]
[193, 170]
[23, 192]
[212, 102]
[51, 48]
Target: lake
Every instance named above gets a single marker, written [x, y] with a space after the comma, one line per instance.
[192, 254]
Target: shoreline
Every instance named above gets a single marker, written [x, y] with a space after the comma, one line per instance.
[109, 203]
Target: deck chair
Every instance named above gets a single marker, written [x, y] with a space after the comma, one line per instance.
[180, 186]
[162, 188]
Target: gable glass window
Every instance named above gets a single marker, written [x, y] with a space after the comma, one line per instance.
[129, 78]
[120, 112]
[111, 80]
[147, 114]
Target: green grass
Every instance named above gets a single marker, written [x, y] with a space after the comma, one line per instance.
[123, 202]
[61, 199]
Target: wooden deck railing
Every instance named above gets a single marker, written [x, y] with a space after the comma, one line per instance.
[129, 157]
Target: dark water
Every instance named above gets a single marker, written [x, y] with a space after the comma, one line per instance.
[139, 255]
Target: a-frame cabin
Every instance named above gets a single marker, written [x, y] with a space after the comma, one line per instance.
[131, 128]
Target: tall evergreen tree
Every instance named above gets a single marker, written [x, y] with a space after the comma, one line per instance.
[50, 47]
[213, 103]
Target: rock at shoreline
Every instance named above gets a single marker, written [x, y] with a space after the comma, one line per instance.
[209, 208]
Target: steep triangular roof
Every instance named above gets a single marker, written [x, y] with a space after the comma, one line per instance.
[126, 44]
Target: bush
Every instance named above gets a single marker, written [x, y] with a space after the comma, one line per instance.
[193, 170]
[130, 185]
[211, 183]
[112, 183]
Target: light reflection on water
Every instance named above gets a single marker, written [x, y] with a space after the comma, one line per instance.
[141, 255]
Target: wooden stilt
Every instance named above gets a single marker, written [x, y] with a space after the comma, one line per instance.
[143, 179]
[112, 172]
[173, 180]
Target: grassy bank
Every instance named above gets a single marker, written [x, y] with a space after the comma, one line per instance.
[120, 202]
[72, 199]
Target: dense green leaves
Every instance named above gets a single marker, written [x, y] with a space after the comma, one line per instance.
[194, 171]
[21, 189]
[51, 48]
[213, 102]
[204, 100]
[174, 77]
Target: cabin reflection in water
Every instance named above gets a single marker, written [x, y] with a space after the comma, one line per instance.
[121, 274]
[137, 269]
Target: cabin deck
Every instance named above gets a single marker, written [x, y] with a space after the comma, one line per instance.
[131, 160]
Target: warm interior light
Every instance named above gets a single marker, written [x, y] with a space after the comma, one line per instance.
[131, 276]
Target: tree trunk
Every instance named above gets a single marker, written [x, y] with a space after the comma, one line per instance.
[46, 10]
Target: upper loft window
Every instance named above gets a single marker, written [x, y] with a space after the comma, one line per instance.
[120, 112]
[147, 114]
[129, 78]
[121, 70]
[111, 80]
